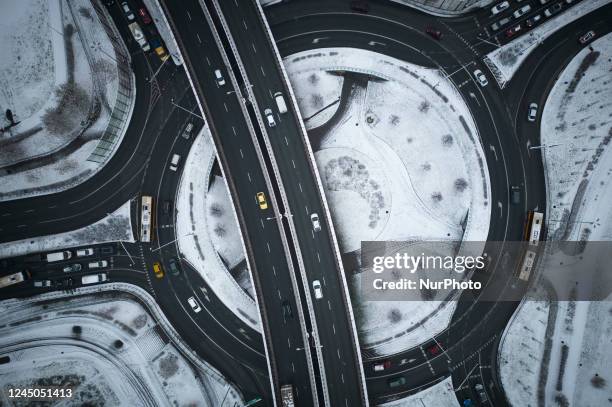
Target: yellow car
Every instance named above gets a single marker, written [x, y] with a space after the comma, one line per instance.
[261, 200]
[157, 269]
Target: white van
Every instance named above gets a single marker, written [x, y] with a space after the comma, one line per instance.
[280, 102]
[139, 36]
[94, 278]
[97, 264]
[85, 252]
[58, 256]
[174, 162]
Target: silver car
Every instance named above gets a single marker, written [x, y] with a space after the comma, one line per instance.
[270, 117]
[481, 78]
[532, 112]
[316, 225]
[316, 287]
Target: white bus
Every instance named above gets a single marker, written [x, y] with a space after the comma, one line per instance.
[287, 395]
[14, 278]
[534, 225]
[146, 218]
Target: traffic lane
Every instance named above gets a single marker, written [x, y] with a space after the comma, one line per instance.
[242, 181]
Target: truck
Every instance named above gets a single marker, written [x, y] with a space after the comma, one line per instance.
[139, 36]
[58, 256]
[14, 278]
[287, 395]
[94, 278]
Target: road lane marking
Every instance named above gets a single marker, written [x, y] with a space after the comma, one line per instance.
[29, 211]
[334, 328]
[289, 342]
[318, 257]
[293, 162]
[188, 15]
[198, 37]
[342, 378]
[293, 367]
[234, 130]
[501, 209]
[279, 296]
[492, 148]
[255, 49]
[208, 60]
[286, 141]
[300, 185]
[241, 155]
[324, 284]
[262, 71]
[274, 270]
[6, 214]
[244, 24]
[22, 226]
[249, 175]
[312, 231]
[329, 305]
[306, 207]
[268, 244]
[338, 352]
[224, 105]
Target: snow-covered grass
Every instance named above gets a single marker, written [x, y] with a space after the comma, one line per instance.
[112, 349]
[576, 130]
[208, 234]
[522, 350]
[114, 227]
[439, 395]
[506, 60]
[404, 162]
[65, 109]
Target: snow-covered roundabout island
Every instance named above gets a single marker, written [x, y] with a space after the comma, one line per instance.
[400, 160]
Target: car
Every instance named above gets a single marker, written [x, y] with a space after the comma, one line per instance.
[144, 15]
[72, 268]
[287, 312]
[531, 21]
[499, 24]
[522, 11]
[379, 367]
[396, 381]
[261, 200]
[175, 270]
[532, 112]
[139, 36]
[157, 270]
[94, 278]
[481, 78]
[542, 2]
[42, 283]
[436, 34]
[360, 6]
[159, 49]
[280, 102]
[127, 11]
[85, 252]
[515, 195]
[316, 225]
[219, 77]
[187, 131]
[552, 10]
[498, 8]
[481, 393]
[194, 304]
[166, 207]
[107, 250]
[97, 264]
[174, 162]
[511, 32]
[270, 117]
[586, 37]
[318, 292]
[435, 348]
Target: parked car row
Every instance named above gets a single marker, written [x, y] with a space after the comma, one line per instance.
[68, 254]
[138, 33]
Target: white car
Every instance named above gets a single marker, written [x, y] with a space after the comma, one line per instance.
[97, 264]
[219, 77]
[85, 252]
[532, 112]
[270, 116]
[316, 225]
[481, 78]
[498, 8]
[42, 283]
[522, 11]
[318, 292]
[194, 304]
[174, 162]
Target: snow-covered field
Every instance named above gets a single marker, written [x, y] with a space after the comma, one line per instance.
[115, 227]
[505, 60]
[60, 79]
[113, 349]
[576, 130]
[207, 230]
[403, 161]
[439, 395]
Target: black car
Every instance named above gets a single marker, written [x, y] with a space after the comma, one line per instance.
[175, 270]
[166, 207]
[106, 250]
[287, 312]
[515, 195]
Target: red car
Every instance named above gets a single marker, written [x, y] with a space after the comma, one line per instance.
[144, 14]
[437, 34]
[435, 349]
[511, 32]
[379, 367]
